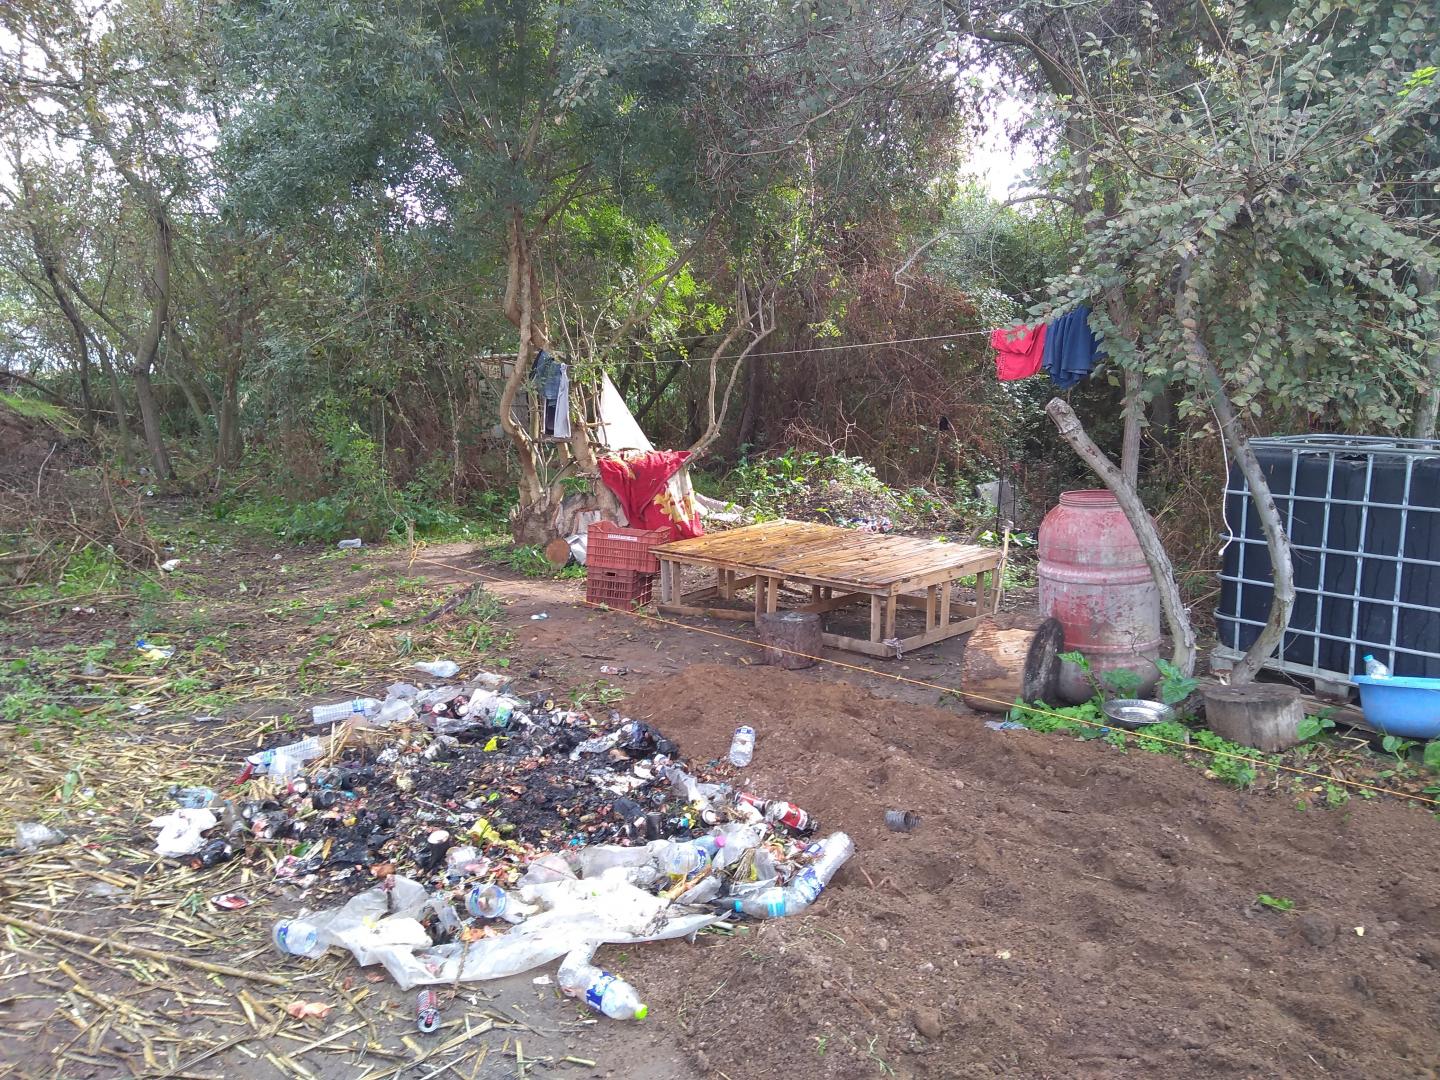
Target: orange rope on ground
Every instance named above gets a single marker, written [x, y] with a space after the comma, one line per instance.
[953, 690]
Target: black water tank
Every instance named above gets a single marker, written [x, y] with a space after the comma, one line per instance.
[1363, 515]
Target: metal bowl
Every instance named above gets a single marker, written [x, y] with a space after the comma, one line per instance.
[1135, 713]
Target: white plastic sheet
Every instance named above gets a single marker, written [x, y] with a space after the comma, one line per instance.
[578, 913]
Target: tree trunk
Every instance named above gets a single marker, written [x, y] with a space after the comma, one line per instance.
[150, 418]
[1130, 441]
[1237, 445]
[520, 296]
[117, 404]
[1176, 615]
[227, 426]
[1429, 404]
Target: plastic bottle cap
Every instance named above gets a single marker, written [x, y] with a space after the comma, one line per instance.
[642, 1012]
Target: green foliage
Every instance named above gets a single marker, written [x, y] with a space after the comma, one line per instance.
[1166, 737]
[1274, 215]
[1432, 755]
[1229, 761]
[1175, 685]
[1313, 727]
[1401, 748]
[1275, 903]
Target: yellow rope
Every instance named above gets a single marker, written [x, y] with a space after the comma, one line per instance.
[966, 693]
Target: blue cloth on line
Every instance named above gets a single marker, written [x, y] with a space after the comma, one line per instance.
[1071, 348]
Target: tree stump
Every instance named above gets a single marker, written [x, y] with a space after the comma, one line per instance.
[796, 631]
[1263, 715]
[1011, 656]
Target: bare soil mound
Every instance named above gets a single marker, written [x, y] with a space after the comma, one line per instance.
[1063, 910]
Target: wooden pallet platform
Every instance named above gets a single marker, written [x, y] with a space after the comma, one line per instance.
[841, 567]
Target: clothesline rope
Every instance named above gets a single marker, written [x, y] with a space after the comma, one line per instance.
[815, 349]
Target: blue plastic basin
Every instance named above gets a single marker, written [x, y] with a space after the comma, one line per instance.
[1400, 705]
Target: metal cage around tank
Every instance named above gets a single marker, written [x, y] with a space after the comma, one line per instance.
[1363, 517]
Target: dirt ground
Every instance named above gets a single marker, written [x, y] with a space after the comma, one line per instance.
[1064, 909]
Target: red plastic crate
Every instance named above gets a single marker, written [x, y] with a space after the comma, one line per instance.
[617, 588]
[613, 547]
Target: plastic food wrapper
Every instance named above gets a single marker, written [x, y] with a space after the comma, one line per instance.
[31, 836]
[182, 831]
[384, 928]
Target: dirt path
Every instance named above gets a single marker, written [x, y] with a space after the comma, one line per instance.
[1063, 910]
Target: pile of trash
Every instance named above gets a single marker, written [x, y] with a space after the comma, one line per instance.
[498, 833]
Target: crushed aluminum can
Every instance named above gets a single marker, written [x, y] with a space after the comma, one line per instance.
[427, 1011]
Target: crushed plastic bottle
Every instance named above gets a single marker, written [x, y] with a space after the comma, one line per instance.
[287, 756]
[343, 710]
[353, 542]
[1375, 669]
[804, 889]
[296, 937]
[605, 993]
[440, 669]
[486, 901]
[680, 860]
[192, 798]
[742, 746]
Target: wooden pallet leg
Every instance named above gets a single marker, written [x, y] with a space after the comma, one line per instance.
[982, 590]
[890, 605]
[875, 622]
[814, 594]
[930, 606]
[772, 595]
[760, 589]
[945, 603]
[667, 594]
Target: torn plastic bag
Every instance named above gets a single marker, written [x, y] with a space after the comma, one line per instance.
[607, 910]
[180, 831]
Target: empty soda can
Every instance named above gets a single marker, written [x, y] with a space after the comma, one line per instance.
[901, 820]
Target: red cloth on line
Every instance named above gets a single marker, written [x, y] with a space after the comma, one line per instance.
[640, 479]
[1018, 351]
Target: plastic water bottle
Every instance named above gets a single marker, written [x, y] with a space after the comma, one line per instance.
[682, 860]
[602, 991]
[490, 708]
[742, 746]
[353, 542]
[296, 937]
[1375, 669]
[333, 714]
[487, 901]
[441, 669]
[805, 888]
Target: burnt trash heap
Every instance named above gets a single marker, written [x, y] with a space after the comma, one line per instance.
[478, 834]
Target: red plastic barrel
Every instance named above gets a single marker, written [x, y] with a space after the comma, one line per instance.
[1094, 580]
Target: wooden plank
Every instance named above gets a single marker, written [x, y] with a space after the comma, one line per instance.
[860, 645]
[772, 595]
[931, 603]
[705, 612]
[822, 554]
[833, 603]
[945, 603]
[940, 633]
[874, 618]
[890, 618]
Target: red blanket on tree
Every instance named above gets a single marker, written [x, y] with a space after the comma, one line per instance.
[640, 479]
